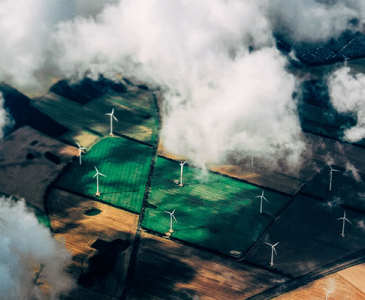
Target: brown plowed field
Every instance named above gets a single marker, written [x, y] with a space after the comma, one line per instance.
[80, 231]
[25, 170]
[169, 270]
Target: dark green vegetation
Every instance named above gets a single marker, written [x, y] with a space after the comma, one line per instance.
[135, 109]
[309, 237]
[41, 216]
[126, 165]
[85, 90]
[214, 212]
[23, 113]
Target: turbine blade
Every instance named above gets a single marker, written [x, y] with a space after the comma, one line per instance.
[258, 196]
[174, 218]
[348, 221]
[77, 144]
[276, 244]
[334, 170]
[274, 251]
[173, 211]
[339, 218]
[96, 169]
[268, 244]
[115, 118]
[167, 212]
[108, 114]
[265, 199]
[112, 111]
[102, 175]
[95, 175]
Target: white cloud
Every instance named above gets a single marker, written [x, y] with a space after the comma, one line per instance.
[24, 246]
[347, 94]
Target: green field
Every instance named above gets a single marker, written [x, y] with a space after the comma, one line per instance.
[41, 216]
[126, 165]
[213, 211]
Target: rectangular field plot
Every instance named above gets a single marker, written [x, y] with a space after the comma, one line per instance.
[169, 270]
[126, 165]
[216, 212]
[135, 110]
[309, 237]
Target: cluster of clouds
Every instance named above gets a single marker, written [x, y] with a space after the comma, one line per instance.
[28, 248]
[225, 85]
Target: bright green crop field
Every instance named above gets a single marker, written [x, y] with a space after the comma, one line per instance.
[126, 165]
[213, 211]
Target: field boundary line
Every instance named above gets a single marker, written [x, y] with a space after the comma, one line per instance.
[133, 260]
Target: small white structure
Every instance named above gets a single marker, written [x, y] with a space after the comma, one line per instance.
[81, 149]
[344, 220]
[97, 180]
[111, 120]
[272, 252]
[181, 173]
[327, 293]
[262, 197]
[331, 171]
[171, 216]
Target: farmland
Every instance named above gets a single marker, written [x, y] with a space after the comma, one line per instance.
[30, 161]
[346, 284]
[81, 231]
[169, 270]
[126, 165]
[214, 212]
[347, 188]
[135, 110]
[309, 237]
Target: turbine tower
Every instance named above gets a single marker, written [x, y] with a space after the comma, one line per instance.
[327, 293]
[171, 216]
[262, 197]
[97, 180]
[81, 149]
[331, 171]
[272, 252]
[111, 120]
[181, 172]
[344, 220]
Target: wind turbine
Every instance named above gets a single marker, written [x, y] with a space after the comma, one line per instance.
[332, 170]
[81, 149]
[181, 172]
[251, 159]
[262, 198]
[97, 180]
[171, 216]
[344, 220]
[327, 293]
[111, 120]
[272, 252]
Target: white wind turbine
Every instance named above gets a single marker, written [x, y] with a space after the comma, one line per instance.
[181, 173]
[344, 220]
[81, 149]
[327, 293]
[272, 252]
[171, 216]
[331, 171]
[111, 120]
[262, 197]
[97, 180]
